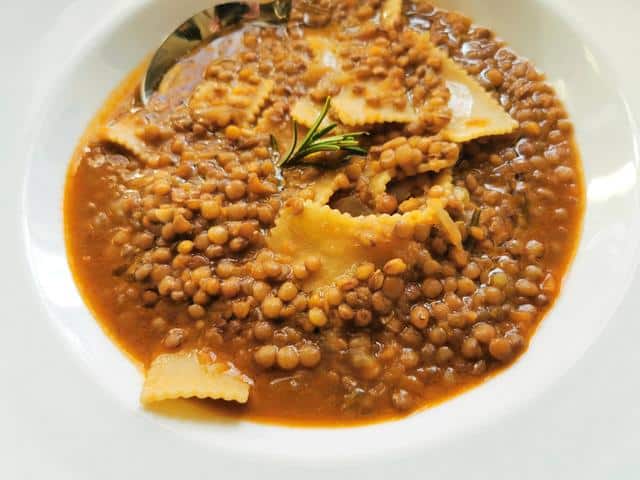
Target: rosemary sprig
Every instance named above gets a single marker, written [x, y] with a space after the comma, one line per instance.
[315, 140]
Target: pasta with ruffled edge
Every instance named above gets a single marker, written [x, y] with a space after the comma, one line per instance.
[475, 113]
[193, 374]
[218, 104]
[353, 239]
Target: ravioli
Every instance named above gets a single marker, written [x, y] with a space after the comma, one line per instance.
[124, 132]
[475, 113]
[324, 187]
[354, 109]
[305, 112]
[218, 104]
[193, 374]
[353, 240]
[274, 127]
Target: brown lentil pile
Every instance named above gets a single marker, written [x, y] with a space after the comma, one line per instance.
[169, 247]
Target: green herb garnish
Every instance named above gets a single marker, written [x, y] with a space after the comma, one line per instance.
[315, 140]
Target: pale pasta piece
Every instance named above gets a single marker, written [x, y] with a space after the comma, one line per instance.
[271, 123]
[257, 96]
[324, 187]
[475, 113]
[391, 14]
[209, 105]
[353, 240]
[354, 109]
[124, 132]
[306, 111]
[193, 374]
[350, 108]
[219, 104]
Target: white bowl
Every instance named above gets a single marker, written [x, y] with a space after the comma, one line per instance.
[109, 45]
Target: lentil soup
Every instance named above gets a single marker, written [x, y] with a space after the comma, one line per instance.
[407, 261]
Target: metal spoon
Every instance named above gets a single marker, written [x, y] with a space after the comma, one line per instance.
[204, 27]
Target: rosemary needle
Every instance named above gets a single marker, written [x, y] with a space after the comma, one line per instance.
[316, 140]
